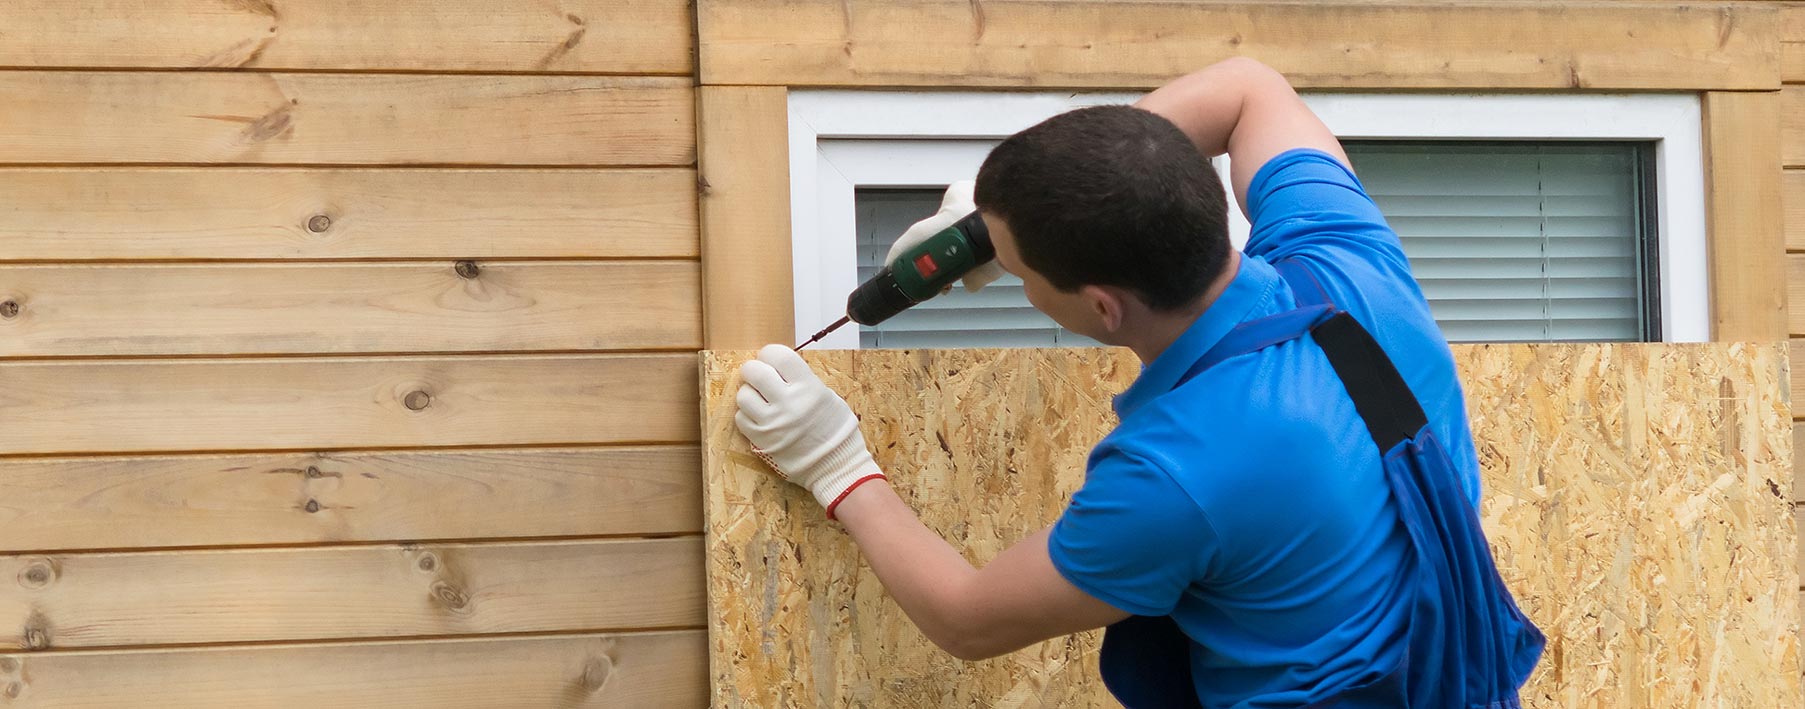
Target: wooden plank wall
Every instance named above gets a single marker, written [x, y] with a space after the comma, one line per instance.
[1792, 151]
[346, 354]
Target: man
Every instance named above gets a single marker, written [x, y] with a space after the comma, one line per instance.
[1286, 514]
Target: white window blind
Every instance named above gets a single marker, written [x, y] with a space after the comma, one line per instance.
[1511, 242]
[1519, 242]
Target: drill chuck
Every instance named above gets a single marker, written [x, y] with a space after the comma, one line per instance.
[922, 271]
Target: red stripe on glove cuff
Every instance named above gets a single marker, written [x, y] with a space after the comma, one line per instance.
[854, 486]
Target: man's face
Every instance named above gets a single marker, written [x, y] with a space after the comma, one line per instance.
[1073, 311]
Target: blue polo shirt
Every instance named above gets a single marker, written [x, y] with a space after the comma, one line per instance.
[1248, 502]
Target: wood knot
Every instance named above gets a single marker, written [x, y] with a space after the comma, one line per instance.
[596, 674]
[37, 574]
[14, 689]
[428, 562]
[449, 596]
[467, 269]
[9, 309]
[312, 506]
[319, 223]
[417, 400]
[37, 634]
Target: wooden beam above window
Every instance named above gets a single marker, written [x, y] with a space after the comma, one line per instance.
[1143, 43]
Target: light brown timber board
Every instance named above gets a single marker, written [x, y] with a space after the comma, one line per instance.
[1747, 229]
[1792, 47]
[199, 500]
[236, 309]
[652, 670]
[73, 214]
[345, 119]
[600, 36]
[1795, 294]
[747, 296]
[1793, 203]
[306, 404]
[1650, 536]
[163, 598]
[1144, 43]
[1792, 113]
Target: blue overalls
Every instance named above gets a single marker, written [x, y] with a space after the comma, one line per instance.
[1469, 646]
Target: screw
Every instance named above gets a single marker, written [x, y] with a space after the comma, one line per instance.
[313, 471]
[467, 269]
[427, 563]
[313, 506]
[319, 223]
[418, 400]
[9, 309]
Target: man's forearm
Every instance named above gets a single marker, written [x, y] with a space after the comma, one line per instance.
[1207, 104]
[921, 571]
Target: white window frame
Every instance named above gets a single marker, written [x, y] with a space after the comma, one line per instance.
[841, 140]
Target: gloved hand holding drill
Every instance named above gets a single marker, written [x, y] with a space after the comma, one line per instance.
[954, 205]
[800, 426]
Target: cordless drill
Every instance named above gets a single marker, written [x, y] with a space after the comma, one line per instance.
[917, 274]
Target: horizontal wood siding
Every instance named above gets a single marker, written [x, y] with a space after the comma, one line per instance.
[343, 119]
[347, 354]
[113, 502]
[75, 600]
[388, 402]
[597, 36]
[349, 308]
[206, 214]
[651, 670]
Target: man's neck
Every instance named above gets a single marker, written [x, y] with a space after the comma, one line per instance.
[1163, 329]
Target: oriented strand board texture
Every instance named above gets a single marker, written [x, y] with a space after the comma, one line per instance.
[1636, 498]
[988, 446]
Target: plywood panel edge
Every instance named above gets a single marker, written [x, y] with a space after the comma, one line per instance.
[1142, 43]
[743, 141]
[1743, 206]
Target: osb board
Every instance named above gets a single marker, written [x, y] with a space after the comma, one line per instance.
[1636, 499]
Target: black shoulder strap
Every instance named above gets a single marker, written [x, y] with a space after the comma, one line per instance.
[1385, 402]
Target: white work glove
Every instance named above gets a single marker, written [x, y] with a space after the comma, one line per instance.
[801, 428]
[954, 205]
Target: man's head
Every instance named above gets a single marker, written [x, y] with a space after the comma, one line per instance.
[1101, 205]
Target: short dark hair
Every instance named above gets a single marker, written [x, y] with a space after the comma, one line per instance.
[1111, 195]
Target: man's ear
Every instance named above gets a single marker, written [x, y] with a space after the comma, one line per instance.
[1107, 304]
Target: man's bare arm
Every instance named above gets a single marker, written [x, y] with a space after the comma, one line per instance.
[1016, 600]
[1246, 109]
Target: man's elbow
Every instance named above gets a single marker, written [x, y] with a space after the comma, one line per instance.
[973, 648]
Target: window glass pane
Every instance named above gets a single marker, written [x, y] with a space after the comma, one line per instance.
[1520, 242]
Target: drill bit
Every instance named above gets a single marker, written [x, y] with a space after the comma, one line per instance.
[824, 331]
